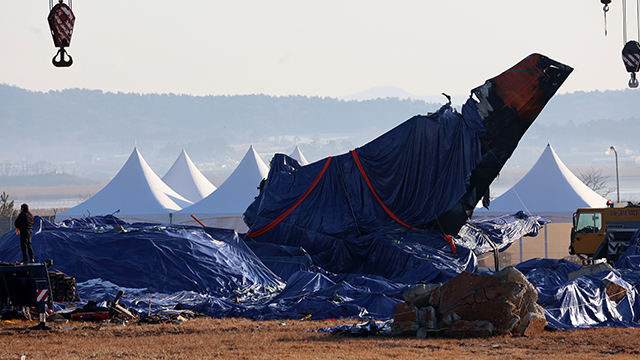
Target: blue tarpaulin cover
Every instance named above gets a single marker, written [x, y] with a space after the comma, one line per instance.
[501, 230]
[159, 258]
[213, 271]
[426, 157]
[333, 206]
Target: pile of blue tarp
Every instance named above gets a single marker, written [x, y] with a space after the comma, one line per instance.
[213, 271]
[582, 302]
[158, 258]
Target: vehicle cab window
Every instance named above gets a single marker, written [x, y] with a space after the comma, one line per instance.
[589, 223]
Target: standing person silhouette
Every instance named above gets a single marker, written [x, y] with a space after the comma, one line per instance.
[24, 227]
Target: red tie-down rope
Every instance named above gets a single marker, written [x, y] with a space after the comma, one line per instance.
[286, 213]
[366, 179]
[449, 239]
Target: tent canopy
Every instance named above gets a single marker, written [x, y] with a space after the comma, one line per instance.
[185, 178]
[549, 187]
[297, 154]
[225, 206]
[136, 193]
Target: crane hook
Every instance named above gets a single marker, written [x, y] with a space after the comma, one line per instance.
[61, 21]
[631, 59]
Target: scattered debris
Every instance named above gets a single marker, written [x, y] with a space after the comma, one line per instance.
[176, 317]
[369, 328]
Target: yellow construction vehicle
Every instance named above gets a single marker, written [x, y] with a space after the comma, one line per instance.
[604, 233]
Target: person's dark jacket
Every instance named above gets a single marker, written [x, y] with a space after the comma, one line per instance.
[24, 222]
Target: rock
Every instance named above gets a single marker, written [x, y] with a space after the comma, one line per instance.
[499, 311]
[422, 333]
[420, 295]
[511, 290]
[465, 328]
[405, 319]
[614, 291]
[534, 322]
[450, 317]
[528, 309]
[469, 303]
[461, 287]
[427, 317]
[435, 298]
[511, 274]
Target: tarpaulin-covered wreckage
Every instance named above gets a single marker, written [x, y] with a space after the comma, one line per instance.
[345, 236]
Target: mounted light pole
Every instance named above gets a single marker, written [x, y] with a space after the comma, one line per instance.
[617, 177]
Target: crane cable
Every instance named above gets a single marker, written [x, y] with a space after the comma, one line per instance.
[605, 10]
[637, 17]
[624, 20]
[52, 1]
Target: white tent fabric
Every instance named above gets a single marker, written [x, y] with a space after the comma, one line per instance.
[549, 189]
[297, 154]
[135, 194]
[225, 207]
[185, 178]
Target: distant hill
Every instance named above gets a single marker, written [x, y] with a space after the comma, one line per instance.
[50, 179]
[81, 128]
[86, 132]
[383, 92]
[582, 107]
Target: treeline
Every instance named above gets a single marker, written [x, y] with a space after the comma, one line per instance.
[86, 125]
[92, 131]
[26, 168]
[580, 142]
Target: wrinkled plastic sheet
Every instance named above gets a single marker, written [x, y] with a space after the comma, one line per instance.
[426, 157]
[159, 258]
[581, 303]
[306, 294]
[501, 230]
[212, 271]
[284, 261]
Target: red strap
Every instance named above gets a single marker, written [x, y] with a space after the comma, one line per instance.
[196, 219]
[286, 213]
[366, 179]
[449, 239]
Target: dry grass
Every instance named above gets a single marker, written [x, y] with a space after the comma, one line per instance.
[205, 338]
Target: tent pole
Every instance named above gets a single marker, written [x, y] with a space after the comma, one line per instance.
[521, 249]
[546, 243]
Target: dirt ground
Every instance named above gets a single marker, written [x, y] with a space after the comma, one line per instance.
[233, 338]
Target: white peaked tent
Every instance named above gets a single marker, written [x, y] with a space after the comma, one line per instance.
[225, 207]
[549, 188]
[297, 154]
[136, 191]
[185, 178]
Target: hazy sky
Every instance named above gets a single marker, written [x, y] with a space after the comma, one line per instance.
[313, 48]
